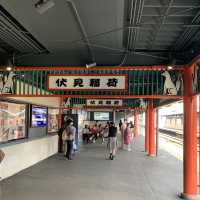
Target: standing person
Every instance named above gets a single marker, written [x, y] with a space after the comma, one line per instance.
[106, 130]
[100, 131]
[2, 155]
[94, 133]
[127, 137]
[68, 137]
[61, 142]
[132, 129]
[112, 140]
[123, 127]
[85, 134]
[120, 124]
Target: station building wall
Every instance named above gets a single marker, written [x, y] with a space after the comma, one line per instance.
[21, 154]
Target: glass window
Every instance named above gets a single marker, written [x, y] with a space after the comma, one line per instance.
[12, 121]
[53, 120]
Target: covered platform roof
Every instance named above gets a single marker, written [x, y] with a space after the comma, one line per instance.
[110, 33]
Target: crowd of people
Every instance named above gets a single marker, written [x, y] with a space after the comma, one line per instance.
[90, 134]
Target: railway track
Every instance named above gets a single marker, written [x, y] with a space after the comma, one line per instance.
[172, 139]
[175, 137]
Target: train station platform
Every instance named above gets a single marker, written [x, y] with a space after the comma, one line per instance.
[132, 175]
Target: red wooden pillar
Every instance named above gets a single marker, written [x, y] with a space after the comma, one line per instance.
[60, 112]
[60, 142]
[135, 129]
[190, 137]
[147, 130]
[151, 129]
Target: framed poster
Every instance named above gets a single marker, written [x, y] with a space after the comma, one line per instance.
[53, 120]
[12, 121]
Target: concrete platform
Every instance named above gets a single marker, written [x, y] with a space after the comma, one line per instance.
[132, 176]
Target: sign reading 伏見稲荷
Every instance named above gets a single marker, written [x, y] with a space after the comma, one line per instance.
[104, 102]
[87, 82]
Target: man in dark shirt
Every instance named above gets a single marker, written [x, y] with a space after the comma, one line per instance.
[112, 140]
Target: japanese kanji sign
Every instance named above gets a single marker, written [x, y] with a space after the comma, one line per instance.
[84, 82]
[104, 102]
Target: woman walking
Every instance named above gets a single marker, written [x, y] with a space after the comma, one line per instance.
[127, 138]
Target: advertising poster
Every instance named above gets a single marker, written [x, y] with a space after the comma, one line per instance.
[53, 120]
[12, 121]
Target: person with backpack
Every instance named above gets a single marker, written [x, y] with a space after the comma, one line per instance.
[68, 137]
[112, 140]
[2, 155]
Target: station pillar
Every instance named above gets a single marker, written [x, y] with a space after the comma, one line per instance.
[135, 129]
[151, 128]
[190, 138]
[147, 130]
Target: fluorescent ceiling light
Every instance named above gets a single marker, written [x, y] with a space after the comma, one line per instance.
[169, 67]
[43, 5]
[8, 68]
[91, 65]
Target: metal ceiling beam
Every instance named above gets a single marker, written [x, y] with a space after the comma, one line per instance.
[187, 33]
[135, 18]
[138, 21]
[173, 15]
[192, 25]
[177, 12]
[14, 33]
[127, 52]
[131, 19]
[173, 6]
[151, 42]
[82, 28]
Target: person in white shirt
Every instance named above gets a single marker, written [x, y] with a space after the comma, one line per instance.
[85, 134]
[69, 137]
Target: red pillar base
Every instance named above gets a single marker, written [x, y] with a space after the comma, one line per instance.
[151, 155]
[189, 197]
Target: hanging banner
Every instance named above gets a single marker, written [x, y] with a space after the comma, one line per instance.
[104, 102]
[87, 82]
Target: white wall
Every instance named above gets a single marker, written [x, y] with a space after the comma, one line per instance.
[45, 101]
[20, 156]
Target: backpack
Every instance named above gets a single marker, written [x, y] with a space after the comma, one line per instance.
[65, 135]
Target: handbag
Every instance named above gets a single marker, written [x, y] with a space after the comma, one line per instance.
[2, 155]
[64, 135]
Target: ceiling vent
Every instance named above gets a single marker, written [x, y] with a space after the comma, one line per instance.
[15, 35]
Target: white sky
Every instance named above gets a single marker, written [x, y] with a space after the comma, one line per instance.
[175, 108]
